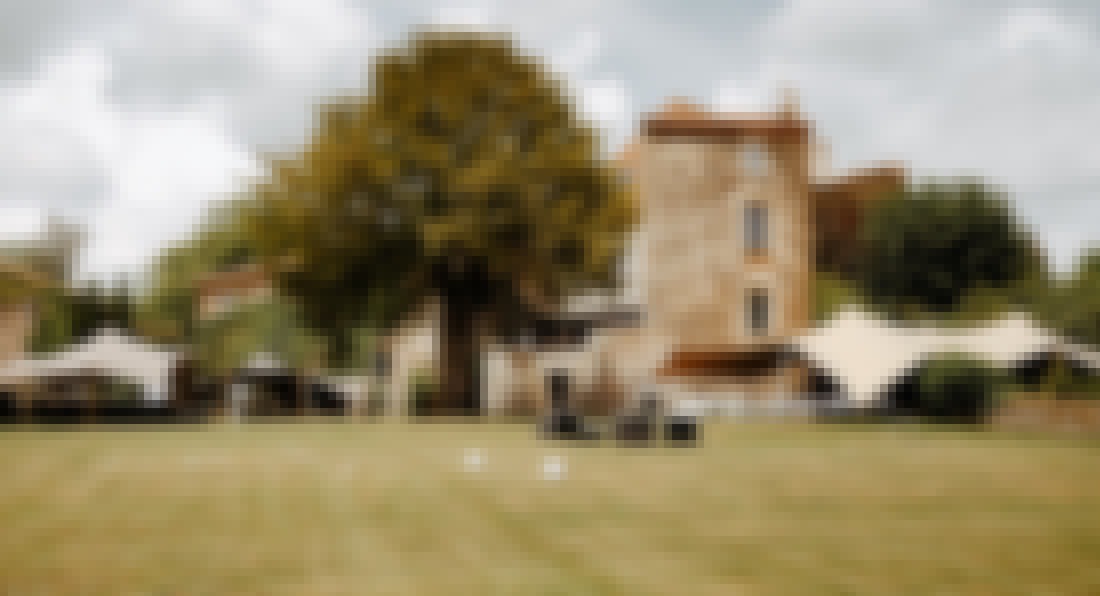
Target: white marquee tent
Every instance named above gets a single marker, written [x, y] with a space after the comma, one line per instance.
[866, 353]
[110, 352]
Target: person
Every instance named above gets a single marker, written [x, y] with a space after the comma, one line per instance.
[239, 399]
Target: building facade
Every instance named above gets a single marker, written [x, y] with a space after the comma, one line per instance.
[17, 309]
[737, 218]
[739, 214]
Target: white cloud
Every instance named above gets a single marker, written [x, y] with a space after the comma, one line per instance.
[149, 110]
[606, 103]
[20, 223]
[579, 54]
[1030, 27]
[58, 134]
[153, 113]
[463, 15]
[144, 177]
[952, 89]
[171, 168]
[265, 64]
[603, 100]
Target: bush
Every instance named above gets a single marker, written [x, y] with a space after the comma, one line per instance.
[832, 293]
[422, 389]
[947, 250]
[956, 388]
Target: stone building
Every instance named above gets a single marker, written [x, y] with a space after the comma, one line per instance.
[727, 243]
[739, 213]
[222, 292]
[17, 309]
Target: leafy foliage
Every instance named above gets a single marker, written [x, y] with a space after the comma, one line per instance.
[68, 315]
[464, 175]
[1075, 308]
[945, 248]
[957, 388]
[422, 390]
[225, 343]
[831, 293]
[166, 313]
[53, 328]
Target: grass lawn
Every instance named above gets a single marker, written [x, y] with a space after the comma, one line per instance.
[349, 508]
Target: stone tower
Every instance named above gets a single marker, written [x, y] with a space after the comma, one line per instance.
[726, 213]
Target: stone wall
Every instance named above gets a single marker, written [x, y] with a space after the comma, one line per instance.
[694, 195]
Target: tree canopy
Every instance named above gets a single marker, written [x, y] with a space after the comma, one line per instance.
[956, 387]
[71, 314]
[1075, 304]
[225, 343]
[941, 247]
[464, 175]
[167, 308]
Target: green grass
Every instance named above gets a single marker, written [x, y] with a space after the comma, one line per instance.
[387, 509]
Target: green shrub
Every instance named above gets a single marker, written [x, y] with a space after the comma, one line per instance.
[422, 389]
[832, 293]
[957, 388]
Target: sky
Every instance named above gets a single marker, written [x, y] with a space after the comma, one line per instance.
[135, 116]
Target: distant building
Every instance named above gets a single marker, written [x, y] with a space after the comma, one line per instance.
[738, 214]
[17, 309]
[221, 293]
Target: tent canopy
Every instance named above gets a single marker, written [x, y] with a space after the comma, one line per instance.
[867, 353]
[110, 352]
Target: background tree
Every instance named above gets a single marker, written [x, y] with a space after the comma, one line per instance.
[167, 308]
[833, 292]
[957, 388]
[18, 283]
[464, 176]
[1075, 307]
[41, 270]
[53, 327]
[55, 252]
[225, 343]
[944, 248]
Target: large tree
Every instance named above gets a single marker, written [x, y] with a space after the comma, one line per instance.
[463, 175]
[942, 247]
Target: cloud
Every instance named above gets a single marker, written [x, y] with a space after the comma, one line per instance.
[20, 223]
[136, 114]
[138, 178]
[155, 109]
[477, 15]
[171, 169]
[264, 65]
[579, 54]
[30, 31]
[1003, 93]
[57, 135]
[604, 101]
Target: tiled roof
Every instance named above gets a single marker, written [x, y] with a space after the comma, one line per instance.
[681, 118]
[241, 279]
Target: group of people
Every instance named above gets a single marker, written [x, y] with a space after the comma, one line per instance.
[643, 424]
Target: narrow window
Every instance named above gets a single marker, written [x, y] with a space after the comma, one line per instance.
[758, 312]
[756, 228]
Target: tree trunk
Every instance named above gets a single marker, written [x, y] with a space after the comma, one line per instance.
[459, 391]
